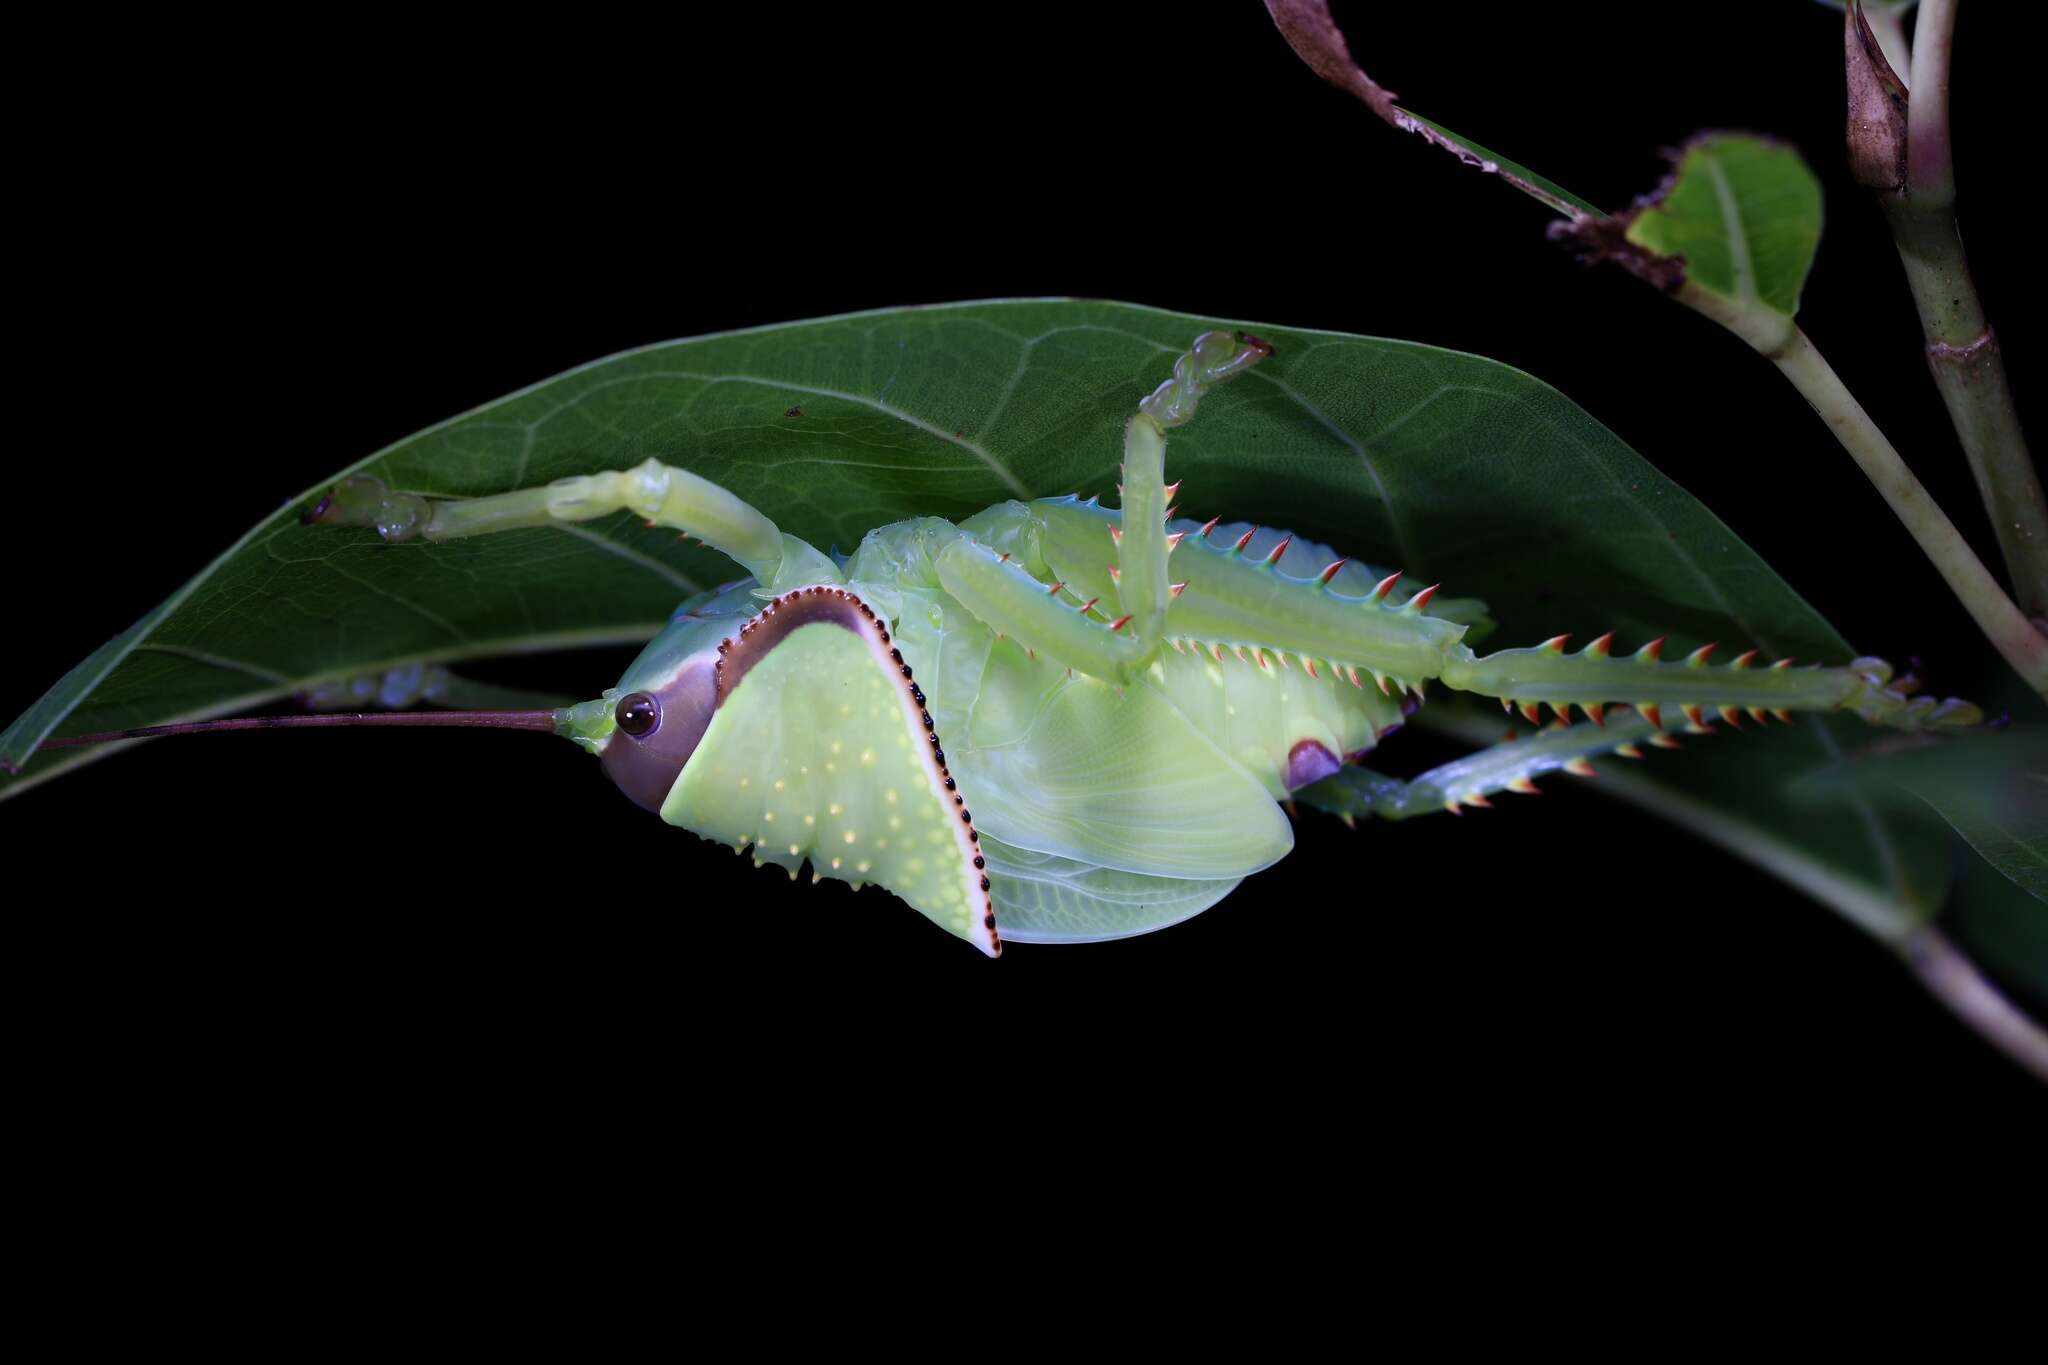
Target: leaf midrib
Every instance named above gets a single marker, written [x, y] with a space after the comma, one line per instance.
[1732, 224]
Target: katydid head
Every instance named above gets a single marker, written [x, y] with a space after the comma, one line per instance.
[657, 727]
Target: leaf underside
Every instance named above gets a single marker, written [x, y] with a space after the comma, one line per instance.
[1450, 466]
[1991, 789]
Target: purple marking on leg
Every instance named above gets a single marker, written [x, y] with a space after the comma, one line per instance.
[1308, 761]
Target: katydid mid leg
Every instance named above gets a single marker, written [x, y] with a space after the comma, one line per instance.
[1142, 584]
[1072, 628]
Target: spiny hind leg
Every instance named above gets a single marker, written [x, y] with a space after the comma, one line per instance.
[1140, 577]
[1595, 678]
[1511, 766]
[661, 494]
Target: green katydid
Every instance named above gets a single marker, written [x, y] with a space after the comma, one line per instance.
[1051, 721]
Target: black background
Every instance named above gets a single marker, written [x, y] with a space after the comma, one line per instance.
[434, 1035]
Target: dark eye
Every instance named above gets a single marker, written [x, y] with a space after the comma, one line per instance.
[638, 714]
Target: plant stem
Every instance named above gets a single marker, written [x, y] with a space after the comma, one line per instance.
[1930, 170]
[2015, 637]
[1969, 371]
[1955, 981]
[1962, 349]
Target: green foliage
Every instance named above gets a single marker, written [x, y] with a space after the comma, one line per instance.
[1452, 467]
[1743, 213]
[1992, 789]
[1732, 234]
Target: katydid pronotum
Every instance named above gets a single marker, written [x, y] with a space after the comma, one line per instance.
[1053, 721]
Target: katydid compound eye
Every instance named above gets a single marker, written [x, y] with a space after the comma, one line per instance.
[658, 730]
[638, 714]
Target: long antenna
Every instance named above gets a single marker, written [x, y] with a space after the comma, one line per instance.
[498, 720]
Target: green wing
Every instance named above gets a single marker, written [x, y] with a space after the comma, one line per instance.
[1079, 769]
[1044, 898]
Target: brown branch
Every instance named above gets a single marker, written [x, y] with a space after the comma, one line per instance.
[1314, 36]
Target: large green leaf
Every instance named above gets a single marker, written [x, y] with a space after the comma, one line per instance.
[1450, 466]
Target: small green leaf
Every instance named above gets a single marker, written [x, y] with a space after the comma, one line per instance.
[1741, 214]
